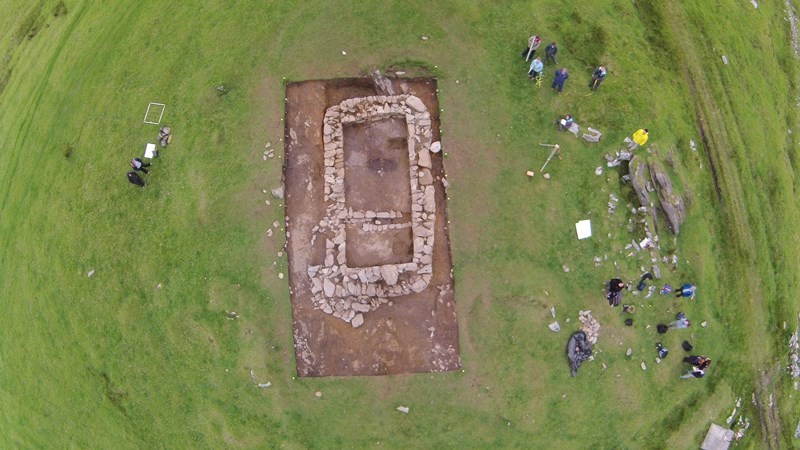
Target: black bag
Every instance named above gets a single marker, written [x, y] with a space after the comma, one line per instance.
[661, 328]
[687, 346]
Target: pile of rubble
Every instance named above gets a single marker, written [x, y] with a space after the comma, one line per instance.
[347, 292]
[590, 326]
[165, 136]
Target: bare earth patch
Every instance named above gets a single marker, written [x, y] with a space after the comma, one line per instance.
[369, 255]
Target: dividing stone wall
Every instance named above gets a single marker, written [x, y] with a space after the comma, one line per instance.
[348, 292]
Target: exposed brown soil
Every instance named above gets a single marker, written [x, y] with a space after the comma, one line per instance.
[411, 333]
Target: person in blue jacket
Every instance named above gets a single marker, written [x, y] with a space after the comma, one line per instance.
[559, 79]
[687, 290]
[536, 68]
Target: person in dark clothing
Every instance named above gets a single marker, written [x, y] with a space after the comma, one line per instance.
[138, 165]
[597, 77]
[616, 285]
[134, 178]
[614, 295]
[643, 282]
[550, 53]
[701, 362]
[559, 79]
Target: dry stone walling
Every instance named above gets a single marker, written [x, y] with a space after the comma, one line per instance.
[348, 292]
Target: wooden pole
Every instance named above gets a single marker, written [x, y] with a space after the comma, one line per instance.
[552, 153]
[530, 49]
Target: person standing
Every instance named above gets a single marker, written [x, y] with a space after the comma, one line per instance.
[597, 77]
[536, 68]
[550, 53]
[138, 165]
[533, 44]
[687, 290]
[639, 138]
[134, 178]
[559, 79]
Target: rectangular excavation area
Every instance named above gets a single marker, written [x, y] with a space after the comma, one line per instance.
[376, 168]
[369, 258]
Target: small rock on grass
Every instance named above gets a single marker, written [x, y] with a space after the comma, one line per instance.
[91, 272]
[644, 366]
[403, 409]
[280, 275]
[318, 394]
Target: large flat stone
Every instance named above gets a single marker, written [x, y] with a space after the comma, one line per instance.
[389, 274]
[415, 103]
[424, 158]
[328, 287]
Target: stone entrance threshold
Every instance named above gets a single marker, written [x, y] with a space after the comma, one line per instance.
[369, 259]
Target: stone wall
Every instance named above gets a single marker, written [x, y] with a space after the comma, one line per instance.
[348, 292]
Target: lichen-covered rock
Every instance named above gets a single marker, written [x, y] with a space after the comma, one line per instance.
[671, 203]
[639, 176]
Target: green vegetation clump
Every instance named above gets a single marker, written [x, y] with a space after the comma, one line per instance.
[60, 9]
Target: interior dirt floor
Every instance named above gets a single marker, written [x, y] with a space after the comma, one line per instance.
[411, 333]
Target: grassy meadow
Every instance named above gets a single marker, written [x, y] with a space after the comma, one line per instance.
[141, 354]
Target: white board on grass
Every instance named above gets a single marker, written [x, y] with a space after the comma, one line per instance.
[584, 229]
[150, 151]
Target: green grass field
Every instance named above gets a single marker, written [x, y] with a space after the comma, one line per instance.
[141, 355]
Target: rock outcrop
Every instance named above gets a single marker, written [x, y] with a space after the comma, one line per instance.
[646, 178]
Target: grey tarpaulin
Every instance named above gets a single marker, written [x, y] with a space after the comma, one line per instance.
[578, 350]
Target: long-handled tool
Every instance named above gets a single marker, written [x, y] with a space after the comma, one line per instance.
[552, 153]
